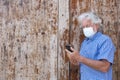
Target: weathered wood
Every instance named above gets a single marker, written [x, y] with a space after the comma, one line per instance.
[63, 39]
[52, 22]
[118, 39]
[45, 59]
[76, 35]
[7, 69]
[76, 8]
[28, 30]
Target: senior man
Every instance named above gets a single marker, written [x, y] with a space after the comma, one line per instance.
[96, 53]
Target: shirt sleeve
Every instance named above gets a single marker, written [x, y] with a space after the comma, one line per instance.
[106, 51]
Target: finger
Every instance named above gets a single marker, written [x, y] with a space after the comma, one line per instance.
[72, 57]
[74, 62]
[72, 49]
[68, 55]
[68, 51]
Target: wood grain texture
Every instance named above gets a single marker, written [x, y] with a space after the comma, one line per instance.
[63, 39]
[28, 30]
[76, 35]
[118, 39]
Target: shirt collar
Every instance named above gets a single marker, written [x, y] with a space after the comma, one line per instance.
[94, 36]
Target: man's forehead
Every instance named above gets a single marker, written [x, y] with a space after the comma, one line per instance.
[86, 21]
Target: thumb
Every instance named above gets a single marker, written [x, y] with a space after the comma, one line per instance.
[68, 53]
[72, 49]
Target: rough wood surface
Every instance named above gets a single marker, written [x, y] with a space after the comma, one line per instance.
[63, 39]
[76, 35]
[28, 31]
[118, 39]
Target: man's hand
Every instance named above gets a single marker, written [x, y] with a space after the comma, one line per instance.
[73, 56]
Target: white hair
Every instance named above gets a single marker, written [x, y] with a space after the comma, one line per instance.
[89, 15]
[93, 17]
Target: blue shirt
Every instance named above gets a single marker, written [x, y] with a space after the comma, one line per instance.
[97, 47]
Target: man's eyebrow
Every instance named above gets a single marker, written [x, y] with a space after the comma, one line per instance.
[86, 25]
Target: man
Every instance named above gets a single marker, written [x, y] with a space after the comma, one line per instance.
[97, 50]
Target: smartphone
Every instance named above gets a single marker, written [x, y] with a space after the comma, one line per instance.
[68, 47]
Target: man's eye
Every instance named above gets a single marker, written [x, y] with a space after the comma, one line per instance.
[87, 26]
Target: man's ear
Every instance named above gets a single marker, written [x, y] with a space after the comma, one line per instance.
[96, 26]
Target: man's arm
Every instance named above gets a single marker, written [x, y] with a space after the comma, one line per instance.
[101, 65]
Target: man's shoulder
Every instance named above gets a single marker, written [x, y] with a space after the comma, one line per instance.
[104, 37]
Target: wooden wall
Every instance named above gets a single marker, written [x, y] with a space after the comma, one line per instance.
[33, 37]
[33, 34]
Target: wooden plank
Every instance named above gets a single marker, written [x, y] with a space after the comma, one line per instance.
[7, 43]
[51, 29]
[63, 39]
[44, 60]
[76, 8]
[118, 50]
[118, 38]
[1, 68]
[1, 65]
[36, 59]
[33, 46]
[25, 43]
[28, 30]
